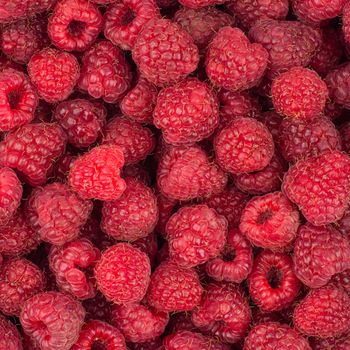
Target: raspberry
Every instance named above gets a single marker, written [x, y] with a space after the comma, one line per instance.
[181, 321]
[132, 216]
[273, 335]
[270, 221]
[6, 63]
[96, 174]
[245, 145]
[345, 136]
[173, 288]
[187, 112]
[342, 280]
[320, 186]
[195, 235]
[10, 337]
[139, 323]
[137, 171]
[333, 110]
[232, 62]
[53, 320]
[148, 245]
[54, 73]
[31, 149]
[98, 308]
[105, 73]
[136, 141]
[342, 343]
[224, 312]
[272, 121]
[235, 262]
[125, 20]
[323, 313]
[200, 3]
[82, 120]
[159, 62]
[123, 273]
[185, 173]
[19, 280]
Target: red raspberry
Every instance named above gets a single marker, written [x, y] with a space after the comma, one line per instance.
[31, 149]
[174, 288]
[105, 73]
[96, 174]
[224, 312]
[342, 280]
[98, 308]
[57, 213]
[246, 145]
[270, 221]
[159, 62]
[6, 63]
[62, 167]
[333, 110]
[9, 335]
[132, 216]
[123, 273]
[82, 120]
[135, 140]
[342, 343]
[139, 323]
[19, 280]
[273, 335]
[54, 73]
[187, 112]
[345, 136]
[137, 171]
[226, 62]
[320, 186]
[195, 235]
[324, 313]
[236, 261]
[148, 245]
[125, 20]
[166, 208]
[53, 320]
[185, 173]
[200, 3]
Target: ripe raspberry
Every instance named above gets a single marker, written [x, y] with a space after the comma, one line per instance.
[135, 140]
[320, 186]
[246, 145]
[159, 62]
[224, 312]
[98, 308]
[342, 343]
[345, 136]
[54, 73]
[96, 174]
[270, 221]
[274, 335]
[173, 288]
[232, 62]
[9, 335]
[105, 73]
[82, 120]
[185, 173]
[19, 280]
[123, 273]
[125, 20]
[200, 3]
[323, 313]
[31, 149]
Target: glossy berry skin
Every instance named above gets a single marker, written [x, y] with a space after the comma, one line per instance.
[244, 146]
[338, 81]
[53, 320]
[96, 174]
[173, 288]
[31, 149]
[223, 312]
[303, 181]
[232, 62]
[123, 273]
[10, 337]
[159, 62]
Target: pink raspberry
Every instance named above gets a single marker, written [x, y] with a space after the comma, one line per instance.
[10, 337]
[200, 3]
[226, 64]
[105, 72]
[53, 320]
[123, 273]
[345, 136]
[270, 221]
[159, 62]
[173, 288]
[244, 146]
[342, 343]
[96, 174]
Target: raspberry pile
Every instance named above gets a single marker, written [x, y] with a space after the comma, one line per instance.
[175, 175]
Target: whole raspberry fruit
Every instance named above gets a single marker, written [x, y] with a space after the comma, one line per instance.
[173, 288]
[159, 62]
[96, 174]
[244, 146]
[226, 62]
[200, 3]
[123, 273]
[10, 337]
[345, 136]
[54, 73]
[31, 149]
[53, 320]
[320, 186]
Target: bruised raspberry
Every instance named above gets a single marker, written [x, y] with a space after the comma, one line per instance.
[10, 337]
